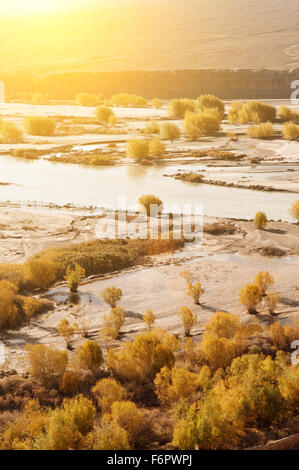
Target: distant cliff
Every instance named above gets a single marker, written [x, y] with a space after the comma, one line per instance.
[227, 84]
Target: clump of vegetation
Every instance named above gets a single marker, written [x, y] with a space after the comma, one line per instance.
[188, 319]
[287, 114]
[251, 296]
[97, 159]
[39, 125]
[156, 148]
[126, 99]
[113, 323]
[141, 359]
[209, 395]
[67, 330]
[192, 125]
[86, 99]
[156, 103]
[74, 276]
[295, 210]
[290, 131]
[169, 131]
[105, 115]
[137, 149]
[152, 128]
[219, 229]
[260, 220]
[210, 102]
[112, 295]
[190, 177]
[252, 111]
[262, 131]
[10, 133]
[89, 355]
[152, 204]
[149, 319]
[195, 289]
[179, 107]
[46, 364]
[107, 392]
[272, 299]
[264, 280]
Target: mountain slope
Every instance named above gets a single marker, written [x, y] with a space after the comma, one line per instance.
[143, 35]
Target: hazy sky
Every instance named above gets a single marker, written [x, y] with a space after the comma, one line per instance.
[29, 7]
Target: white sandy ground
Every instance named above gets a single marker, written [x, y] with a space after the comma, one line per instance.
[223, 264]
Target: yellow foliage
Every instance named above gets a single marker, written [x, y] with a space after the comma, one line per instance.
[8, 309]
[262, 131]
[251, 296]
[89, 355]
[11, 134]
[104, 114]
[137, 149]
[69, 383]
[111, 295]
[188, 319]
[141, 359]
[156, 103]
[40, 272]
[260, 220]
[264, 280]
[129, 417]
[152, 204]
[228, 325]
[113, 323]
[109, 436]
[108, 391]
[218, 352]
[46, 364]
[85, 99]
[30, 306]
[252, 111]
[39, 125]
[211, 101]
[295, 210]
[149, 319]
[195, 291]
[74, 276]
[66, 330]
[21, 434]
[175, 384]
[290, 131]
[169, 131]
[152, 127]
[156, 148]
[69, 424]
[179, 107]
[278, 335]
[288, 114]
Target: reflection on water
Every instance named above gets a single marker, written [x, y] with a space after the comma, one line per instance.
[63, 296]
[41, 180]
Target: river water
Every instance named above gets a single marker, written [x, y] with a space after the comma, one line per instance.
[44, 181]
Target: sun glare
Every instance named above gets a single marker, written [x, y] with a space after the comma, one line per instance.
[30, 7]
